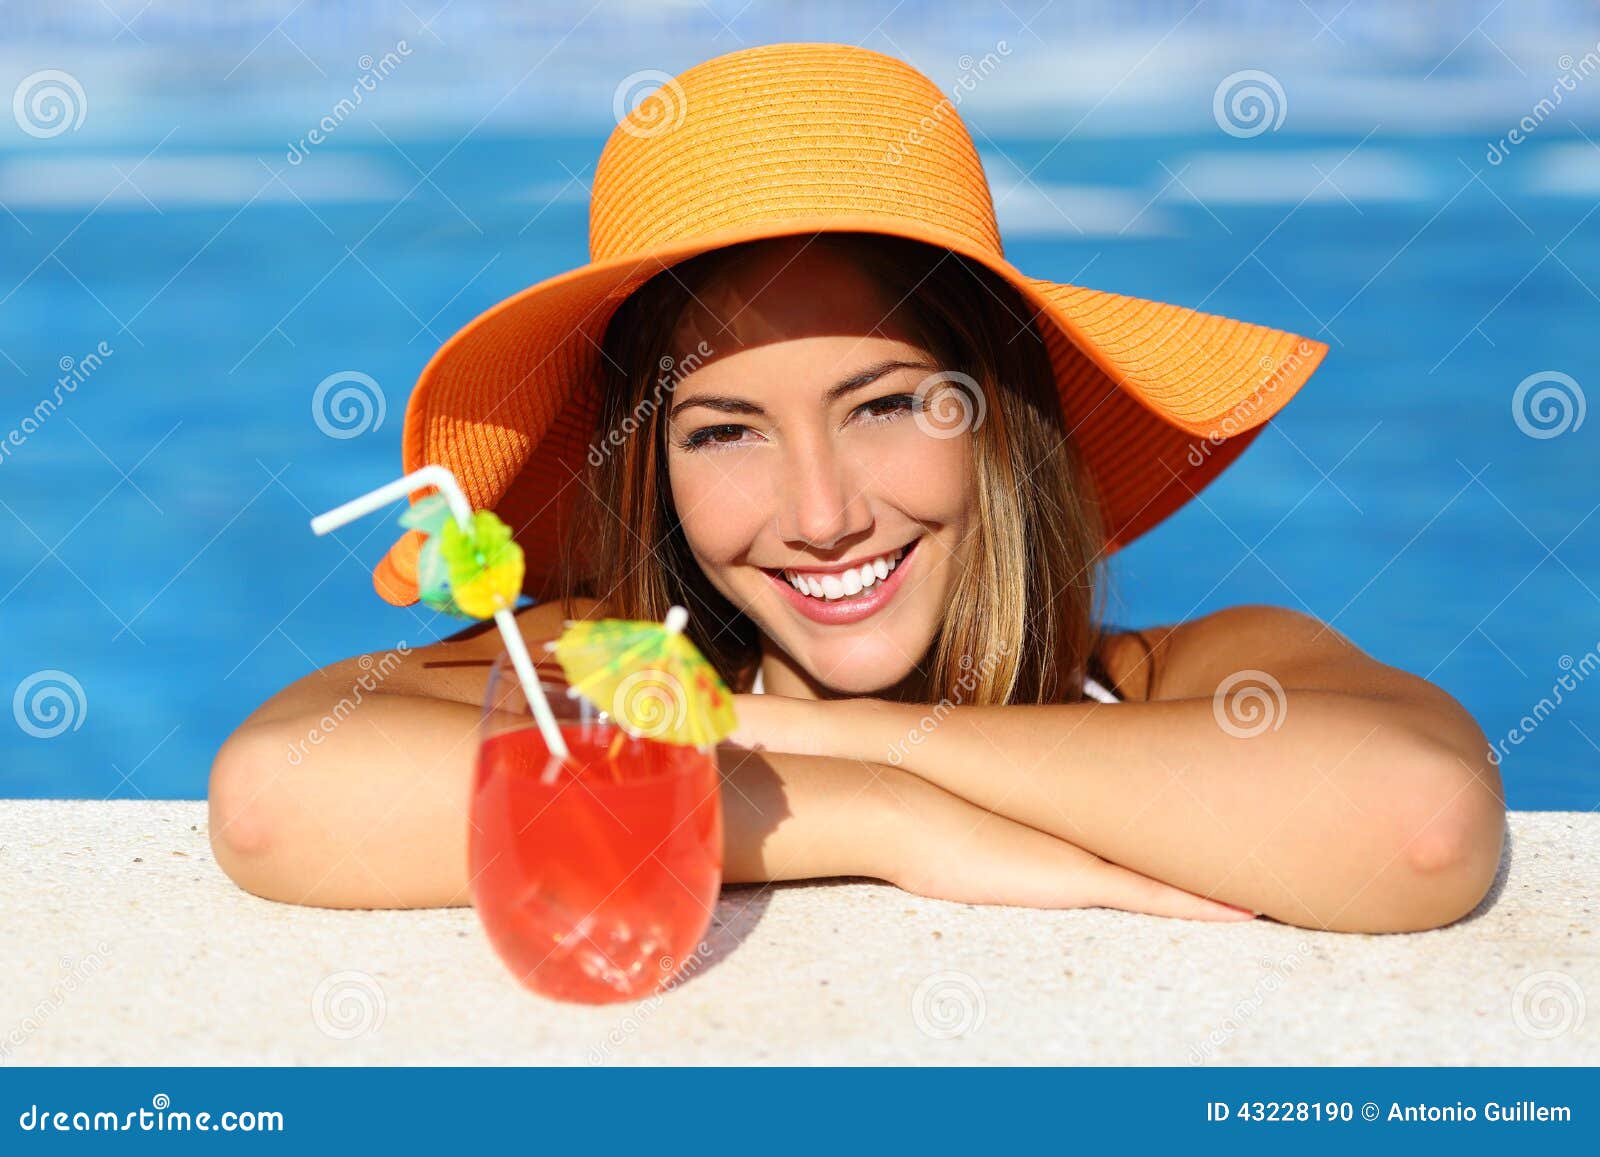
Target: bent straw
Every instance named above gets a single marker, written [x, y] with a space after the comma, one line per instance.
[461, 510]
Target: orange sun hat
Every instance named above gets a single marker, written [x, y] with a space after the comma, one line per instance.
[796, 139]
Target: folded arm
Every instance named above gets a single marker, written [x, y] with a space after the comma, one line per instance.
[376, 815]
[1275, 767]
[367, 805]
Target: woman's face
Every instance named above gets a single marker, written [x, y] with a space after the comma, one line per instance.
[799, 450]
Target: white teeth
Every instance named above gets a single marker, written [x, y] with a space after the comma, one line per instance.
[845, 584]
[806, 585]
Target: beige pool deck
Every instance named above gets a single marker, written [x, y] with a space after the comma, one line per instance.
[121, 942]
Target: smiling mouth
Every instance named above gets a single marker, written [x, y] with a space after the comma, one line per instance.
[845, 586]
[827, 598]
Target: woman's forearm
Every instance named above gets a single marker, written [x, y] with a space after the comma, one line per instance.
[793, 817]
[374, 813]
[370, 813]
[1346, 816]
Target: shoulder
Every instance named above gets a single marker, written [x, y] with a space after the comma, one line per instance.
[1256, 628]
[538, 622]
[545, 620]
[451, 668]
[454, 667]
[1179, 660]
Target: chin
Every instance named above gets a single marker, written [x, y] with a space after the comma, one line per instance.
[860, 666]
[865, 685]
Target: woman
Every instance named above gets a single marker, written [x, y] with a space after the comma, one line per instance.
[800, 391]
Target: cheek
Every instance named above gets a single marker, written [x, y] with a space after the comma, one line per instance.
[721, 513]
[928, 477]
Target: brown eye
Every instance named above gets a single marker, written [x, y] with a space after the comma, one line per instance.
[712, 435]
[890, 406]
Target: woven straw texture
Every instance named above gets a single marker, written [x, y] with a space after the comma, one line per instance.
[804, 138]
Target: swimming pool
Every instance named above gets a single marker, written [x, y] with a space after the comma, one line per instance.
[156, 547]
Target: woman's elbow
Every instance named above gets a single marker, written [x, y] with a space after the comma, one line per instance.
[1456, 837]
[245, 821]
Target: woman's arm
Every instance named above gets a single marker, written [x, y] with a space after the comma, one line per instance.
[795, 816]
[347, 791]
[376, 816]
[1343, 794]
[374, 811]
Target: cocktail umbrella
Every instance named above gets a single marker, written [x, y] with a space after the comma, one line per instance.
[470, 572]
[469, 566]
[648, 676]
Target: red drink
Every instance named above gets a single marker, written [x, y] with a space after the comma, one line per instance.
[595, 883]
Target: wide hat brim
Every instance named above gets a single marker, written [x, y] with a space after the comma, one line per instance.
[1159, 399]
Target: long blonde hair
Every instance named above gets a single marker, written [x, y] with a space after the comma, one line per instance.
[1022, 623]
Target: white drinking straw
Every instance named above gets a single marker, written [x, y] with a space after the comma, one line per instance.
[461, 510]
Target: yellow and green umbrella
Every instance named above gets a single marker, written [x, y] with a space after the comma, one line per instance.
[469, 565]
[648, 677]
[470, 572]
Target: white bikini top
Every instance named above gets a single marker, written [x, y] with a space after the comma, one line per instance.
[1092, 688]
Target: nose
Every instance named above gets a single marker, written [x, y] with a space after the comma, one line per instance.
[821, 498]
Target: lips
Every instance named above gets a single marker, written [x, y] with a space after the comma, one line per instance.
[848, 609]
[846, 582]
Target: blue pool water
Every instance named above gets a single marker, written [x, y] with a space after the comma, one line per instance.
[155, 544]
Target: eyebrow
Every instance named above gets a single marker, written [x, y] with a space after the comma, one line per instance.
[726, 404]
